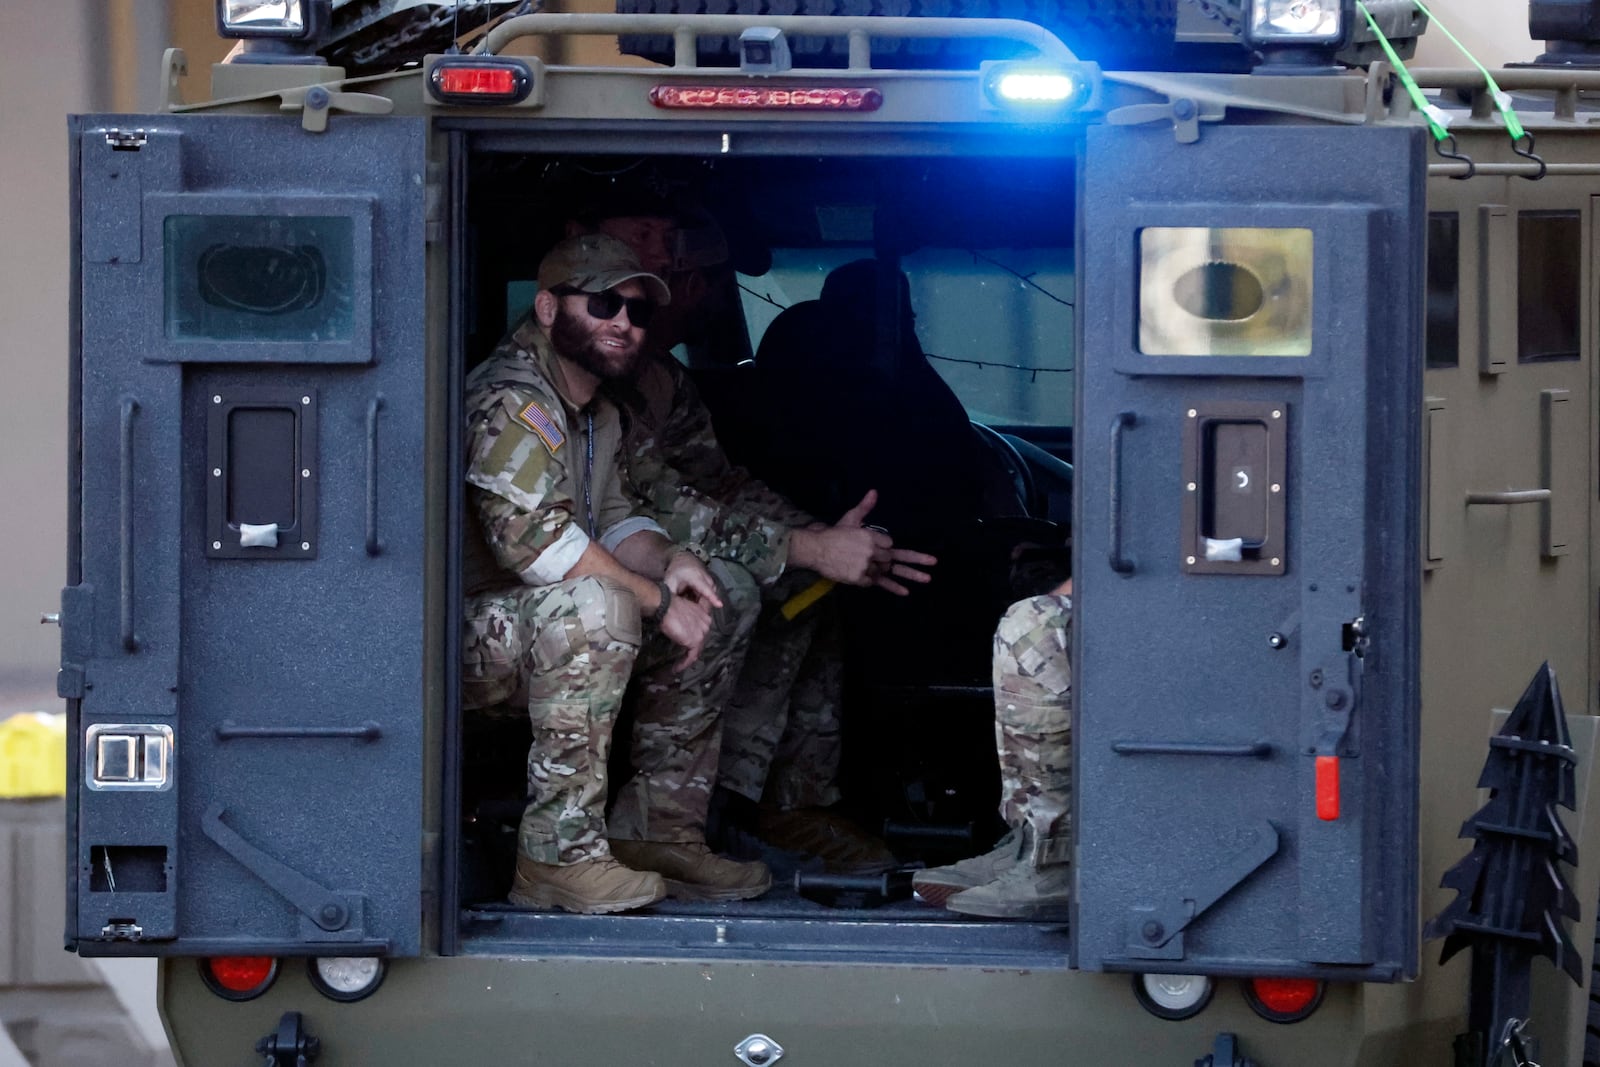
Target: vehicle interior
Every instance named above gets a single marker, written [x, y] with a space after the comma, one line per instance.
[898, 324]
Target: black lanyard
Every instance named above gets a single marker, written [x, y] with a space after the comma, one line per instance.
[588, 469]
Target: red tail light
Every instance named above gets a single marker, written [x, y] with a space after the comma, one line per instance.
[238, 977]
[1284, 1000]
[480, 81]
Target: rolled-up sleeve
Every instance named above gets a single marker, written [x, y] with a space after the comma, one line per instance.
[752, 541]
[517, 476]
[614, 535]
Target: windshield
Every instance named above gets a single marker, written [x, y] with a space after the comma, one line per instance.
[996, 323]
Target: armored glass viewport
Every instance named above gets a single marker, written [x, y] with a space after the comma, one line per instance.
[1225, 291]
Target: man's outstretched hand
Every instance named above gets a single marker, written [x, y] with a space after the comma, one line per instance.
[856, 554]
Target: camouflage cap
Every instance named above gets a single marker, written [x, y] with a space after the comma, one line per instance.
[592, 262]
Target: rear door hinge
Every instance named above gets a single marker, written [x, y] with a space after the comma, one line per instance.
[126, 140]
[433, 192]
[75, 620]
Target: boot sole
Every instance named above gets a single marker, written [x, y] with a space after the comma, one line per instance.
[545, 898]
[1058, 912]
[937, 894]
[696, 891]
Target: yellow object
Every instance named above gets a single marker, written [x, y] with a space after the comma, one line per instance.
[806, 597]
[33, 755]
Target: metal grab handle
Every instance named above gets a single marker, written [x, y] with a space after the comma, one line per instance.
[1257, 749]
[686, 29]
[1510, 496]
[375, 405]
[1119, 563]
[367, 731]
[130, 640]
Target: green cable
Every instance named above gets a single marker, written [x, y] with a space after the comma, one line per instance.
[1437, 119]
[1502, 99]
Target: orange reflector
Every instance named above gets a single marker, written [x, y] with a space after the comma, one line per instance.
[1284, 1000]
[241, 974]
[750, 98]
[1327, 788]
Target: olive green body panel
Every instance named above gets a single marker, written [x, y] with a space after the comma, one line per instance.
[687, 1014]
[1496, 602]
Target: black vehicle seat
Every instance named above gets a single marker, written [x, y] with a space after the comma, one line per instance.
[847, 402]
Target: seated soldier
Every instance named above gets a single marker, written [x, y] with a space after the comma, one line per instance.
[556, 587]
[780, 746]
[1028, 874]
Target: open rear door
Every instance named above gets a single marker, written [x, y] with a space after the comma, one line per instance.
[1247, 646]
[243, 632]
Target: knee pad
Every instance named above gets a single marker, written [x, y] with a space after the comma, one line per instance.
[605, 612]
[1032, 649]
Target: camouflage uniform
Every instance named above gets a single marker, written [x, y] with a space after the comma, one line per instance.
[781, 730]
[570, 646]
[1033, 720]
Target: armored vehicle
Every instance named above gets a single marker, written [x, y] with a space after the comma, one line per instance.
[1294, 347]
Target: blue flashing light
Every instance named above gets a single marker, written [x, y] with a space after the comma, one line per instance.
[1036, 86]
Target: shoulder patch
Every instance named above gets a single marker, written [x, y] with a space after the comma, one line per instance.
[534, 418]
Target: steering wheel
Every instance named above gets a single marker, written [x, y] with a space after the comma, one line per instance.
[1017, 467]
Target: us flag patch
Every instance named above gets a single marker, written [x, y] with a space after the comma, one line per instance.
[534, 418]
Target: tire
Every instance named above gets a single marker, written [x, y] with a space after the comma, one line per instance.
[1120, 34]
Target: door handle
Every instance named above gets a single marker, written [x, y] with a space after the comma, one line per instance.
[1510, 496]
[374, 545]
[1123, 420]
[130, 640]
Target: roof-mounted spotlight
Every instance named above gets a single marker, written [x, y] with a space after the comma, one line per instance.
[294, 20]
[764, 50]
[1298, 33]
[275, 31]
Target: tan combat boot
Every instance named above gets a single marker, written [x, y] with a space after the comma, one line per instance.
[693, 872]
[592, 887]
[1039, 887]
[842, 847]
[937, 885]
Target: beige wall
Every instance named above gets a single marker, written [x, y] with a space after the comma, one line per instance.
[44, 74]
[56, 57]
[1496, 31]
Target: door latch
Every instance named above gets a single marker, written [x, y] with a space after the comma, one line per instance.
[314, 102]
[289, 1045]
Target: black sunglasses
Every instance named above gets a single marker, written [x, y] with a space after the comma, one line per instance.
[605, 304]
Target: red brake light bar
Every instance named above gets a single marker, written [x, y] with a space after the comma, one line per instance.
[751, 98]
